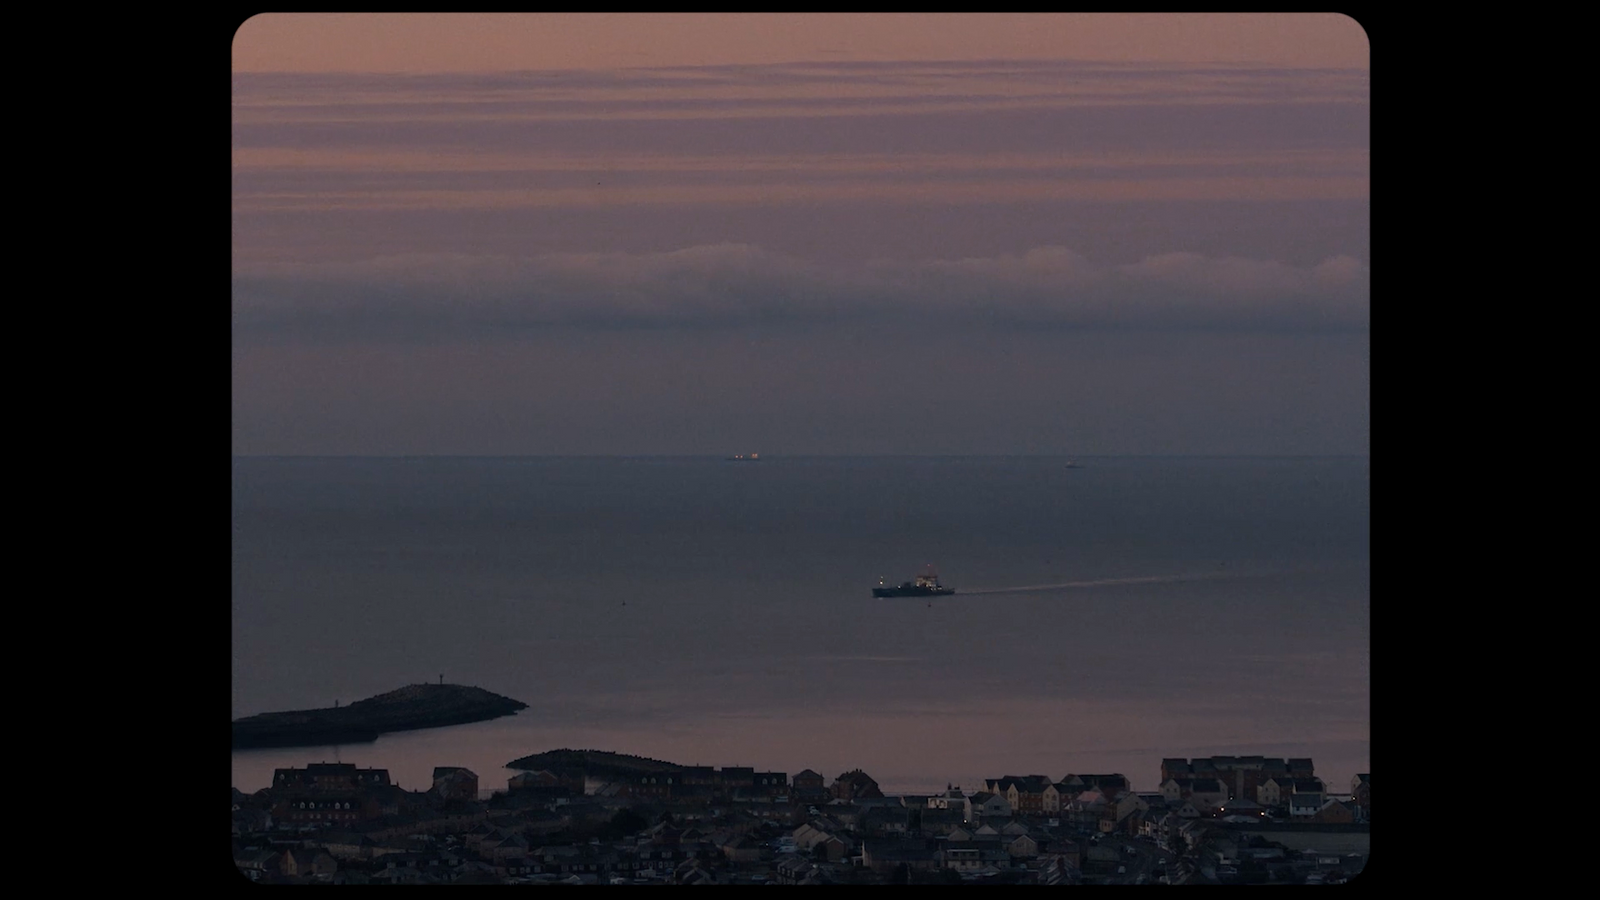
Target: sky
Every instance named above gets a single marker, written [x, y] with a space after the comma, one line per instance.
[796, 234]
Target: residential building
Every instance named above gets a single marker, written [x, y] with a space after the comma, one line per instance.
[1335, 812]
[328, 777]
[1304, 805]
[306, 862]
[952, 798]
[1107, 785]
[809, 787]
[855, 783]
[989, 805]
[455, 783]
[1204, 793]
[1240, 776]
[774, 785]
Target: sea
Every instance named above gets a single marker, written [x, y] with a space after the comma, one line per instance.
[1110, 611]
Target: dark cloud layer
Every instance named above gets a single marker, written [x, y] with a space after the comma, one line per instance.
[735, 284]
[803, 258]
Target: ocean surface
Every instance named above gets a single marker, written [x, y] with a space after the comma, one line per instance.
[710, 612]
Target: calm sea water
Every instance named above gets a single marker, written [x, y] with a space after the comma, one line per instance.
[719, 613]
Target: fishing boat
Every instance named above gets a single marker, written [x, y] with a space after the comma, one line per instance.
[924, 585]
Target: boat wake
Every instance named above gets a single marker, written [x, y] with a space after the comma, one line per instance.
[1106, 582]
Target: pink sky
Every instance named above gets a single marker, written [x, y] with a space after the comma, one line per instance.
[510, 181]
[435, 42]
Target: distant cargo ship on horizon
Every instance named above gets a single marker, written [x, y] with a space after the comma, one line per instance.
[754, 457]
[925, 585]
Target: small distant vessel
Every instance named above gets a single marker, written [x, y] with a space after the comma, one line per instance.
[1071, 464]
[754, 457]
[925, 585]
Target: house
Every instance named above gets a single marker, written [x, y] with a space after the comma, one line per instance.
[1308, 786]
[1107, 785]
[884, 821]
[1205, 793]
[999, 785]
[655, 786]
[322, 777]
[972, 856]
[1087, 801]
[771, 784]
[1335, 812]
[1055, 797]
[952, 799]
[1022, 846]
[808, 837]
[1025, 794]
[1192, 832]
[988, 805]
[698, 776]
[1274, 792]
[306, 862]
[855, 783]
[1123, 814]
[327, 808]
[455, 783]
[1240, 776]
[796, 870]
[1304, 805]
[808, 787]
[1173, 769]
[1152, 799]
[1128, 804]
[1361, 791]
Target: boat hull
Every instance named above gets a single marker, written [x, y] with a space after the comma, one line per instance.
[912, 592]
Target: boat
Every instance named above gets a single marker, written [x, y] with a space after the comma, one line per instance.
[1072, 464]
[925, 585]
[754, 457]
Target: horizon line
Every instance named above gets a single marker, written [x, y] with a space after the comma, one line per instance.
[802, 456]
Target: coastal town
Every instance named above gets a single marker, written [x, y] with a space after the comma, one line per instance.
[593, 817]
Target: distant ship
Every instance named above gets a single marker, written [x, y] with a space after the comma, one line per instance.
[1073, 465]
[754, 457]
[926, 585]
